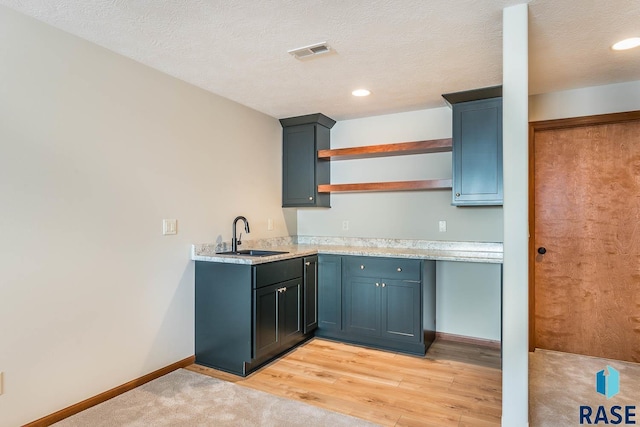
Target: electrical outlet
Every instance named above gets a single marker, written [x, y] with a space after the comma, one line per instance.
[442, 226]
[169, 226]
[269, 224]
[345, 225]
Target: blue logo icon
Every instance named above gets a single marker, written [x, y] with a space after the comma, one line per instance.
[608, 384]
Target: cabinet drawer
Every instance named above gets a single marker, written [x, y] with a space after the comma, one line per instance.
[276, 272]
[388, 268]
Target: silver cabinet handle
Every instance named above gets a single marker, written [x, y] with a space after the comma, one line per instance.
[399, 269]
[310, 198]
[383, 285]
[307, 263]
[377, 284]
[457, 194]
[362, 267]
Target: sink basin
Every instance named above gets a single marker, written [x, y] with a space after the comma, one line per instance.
[252, 252]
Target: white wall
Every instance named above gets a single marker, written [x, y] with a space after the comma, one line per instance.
[414, 214]
[515, 287]
[614, 98]
[95, 150]
[408, 214]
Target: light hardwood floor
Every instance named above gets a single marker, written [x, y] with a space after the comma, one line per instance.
[455, 384]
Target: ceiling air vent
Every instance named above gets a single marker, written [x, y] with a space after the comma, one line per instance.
[311, 50]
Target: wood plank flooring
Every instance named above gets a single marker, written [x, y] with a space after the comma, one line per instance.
[455, 384]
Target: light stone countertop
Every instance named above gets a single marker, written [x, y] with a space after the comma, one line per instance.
[392, 248]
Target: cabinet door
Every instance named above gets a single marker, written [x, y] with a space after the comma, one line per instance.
[401, 318]
[266, 324]
[299, 166]
[310, 294]
[477, 152]
[362, 306]
[330, 293]
[291, 321]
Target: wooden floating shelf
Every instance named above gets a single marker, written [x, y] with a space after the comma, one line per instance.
[430, 184]
[384, 150]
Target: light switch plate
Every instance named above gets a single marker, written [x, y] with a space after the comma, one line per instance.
[442, 226]
[169, 226]
[269, 224]
[1, 382]
[345, 225]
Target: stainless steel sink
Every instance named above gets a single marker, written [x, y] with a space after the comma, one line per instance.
[252, 252]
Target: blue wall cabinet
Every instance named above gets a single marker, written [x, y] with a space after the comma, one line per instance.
[302, 171]
[477, 147]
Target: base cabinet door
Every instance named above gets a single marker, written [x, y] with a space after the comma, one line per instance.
[267, 301]
[401, 317]
[362, 306]
[290, 312]
[310, 280]
[278, 321]
[329, 294]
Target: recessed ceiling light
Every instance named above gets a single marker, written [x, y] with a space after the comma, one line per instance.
[361, 92]
[627, 44]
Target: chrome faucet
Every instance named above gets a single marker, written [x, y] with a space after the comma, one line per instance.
[235, 242]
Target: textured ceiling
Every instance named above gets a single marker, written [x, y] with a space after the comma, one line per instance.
[407, 52]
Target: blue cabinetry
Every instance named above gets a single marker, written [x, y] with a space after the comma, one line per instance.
[477, 147]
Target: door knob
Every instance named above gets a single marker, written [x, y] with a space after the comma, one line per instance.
[542, 250]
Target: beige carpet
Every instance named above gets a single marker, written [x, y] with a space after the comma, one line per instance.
[185, 398]
[559, 383]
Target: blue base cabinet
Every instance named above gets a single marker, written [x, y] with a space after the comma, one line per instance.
[247, 315]
[377, 302]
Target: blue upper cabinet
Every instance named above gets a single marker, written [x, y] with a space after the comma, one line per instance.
[302, 171]
[477, 147]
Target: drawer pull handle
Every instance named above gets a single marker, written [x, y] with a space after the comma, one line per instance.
[399, 269]
[377, 284]
[383, 285]
[362, 267]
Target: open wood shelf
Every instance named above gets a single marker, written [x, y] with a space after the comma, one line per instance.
[429, 184]
[385, 150]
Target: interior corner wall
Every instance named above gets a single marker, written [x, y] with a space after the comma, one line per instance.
[414, 214]
[95, 150]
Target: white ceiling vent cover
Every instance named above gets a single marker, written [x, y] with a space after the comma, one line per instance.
[311, 50]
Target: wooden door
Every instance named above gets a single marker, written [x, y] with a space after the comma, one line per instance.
[587, 218]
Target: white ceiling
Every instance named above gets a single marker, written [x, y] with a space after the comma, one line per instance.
[407, 52]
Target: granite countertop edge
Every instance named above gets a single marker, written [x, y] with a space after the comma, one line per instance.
[300, 250]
